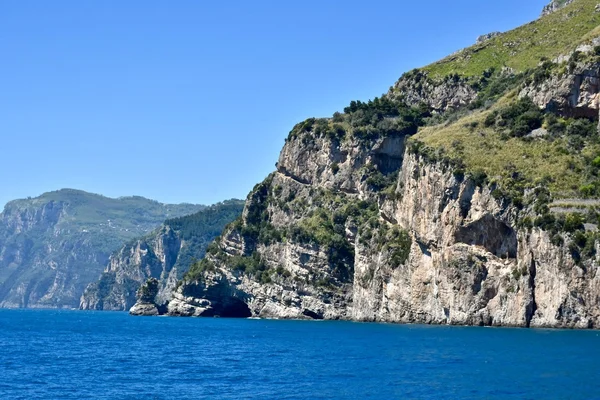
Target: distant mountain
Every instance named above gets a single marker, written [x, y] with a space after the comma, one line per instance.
[165, 254]
[54, 245]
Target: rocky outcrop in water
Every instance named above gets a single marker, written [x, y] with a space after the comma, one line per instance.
[146, 304]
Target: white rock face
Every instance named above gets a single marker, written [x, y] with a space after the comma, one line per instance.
[470, 265]
[441, 96]
[555, 5]
[128, 268]
[468, 262]
[144, 309]
[574, 93]
[312, 164]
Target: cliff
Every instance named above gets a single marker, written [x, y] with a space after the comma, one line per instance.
[555, 5]
[165, 254]
[468, 194]
[54, 245]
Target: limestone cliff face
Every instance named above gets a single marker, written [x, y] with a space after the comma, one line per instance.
[337, 165]
[417, 87]
[573, 91]
[165, 254]
[469, 263]
[376, 230]
[154, 256]
[295, 278]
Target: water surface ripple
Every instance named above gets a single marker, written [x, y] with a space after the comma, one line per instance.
[46, 354]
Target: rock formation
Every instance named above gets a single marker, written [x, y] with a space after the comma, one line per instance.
[146, 300]
[486, 37]
[554, 6]
[165, 254]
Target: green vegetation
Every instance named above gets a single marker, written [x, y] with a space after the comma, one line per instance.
[200, 229]
[198, 268]
[251, 265]
[76, 232]
[196, 231]
[327, 231]
[491, 85]
[129, 216]
[518, 118]
[489, 146]
[322, 127]
[522, 48]
[105, 284]
[148, 291]
[364, 121]
[257, 227]
[388, 239]
[323, 226]
[560, 226]
[377, 181]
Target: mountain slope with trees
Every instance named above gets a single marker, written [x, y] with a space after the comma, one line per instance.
[164, 254]
[467, 194]
[54, 245]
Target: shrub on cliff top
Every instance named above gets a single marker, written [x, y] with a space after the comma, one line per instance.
[520, 117]
[197, 270]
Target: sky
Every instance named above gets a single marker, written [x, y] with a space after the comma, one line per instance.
[190, 101]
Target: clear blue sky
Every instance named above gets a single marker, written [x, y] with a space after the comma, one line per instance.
[190, 101]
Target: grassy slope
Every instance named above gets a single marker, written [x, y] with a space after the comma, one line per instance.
[483, 149]
[522, 48]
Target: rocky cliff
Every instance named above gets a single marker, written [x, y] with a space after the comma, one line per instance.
[165, 254]
[53, 246]
[555, 5]
[468, 194]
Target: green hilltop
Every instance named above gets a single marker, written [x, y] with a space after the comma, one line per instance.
[522, 48]
[490, 137]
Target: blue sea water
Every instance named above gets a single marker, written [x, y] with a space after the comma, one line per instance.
[107, 355]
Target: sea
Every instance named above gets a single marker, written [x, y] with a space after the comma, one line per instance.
[49, 354]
